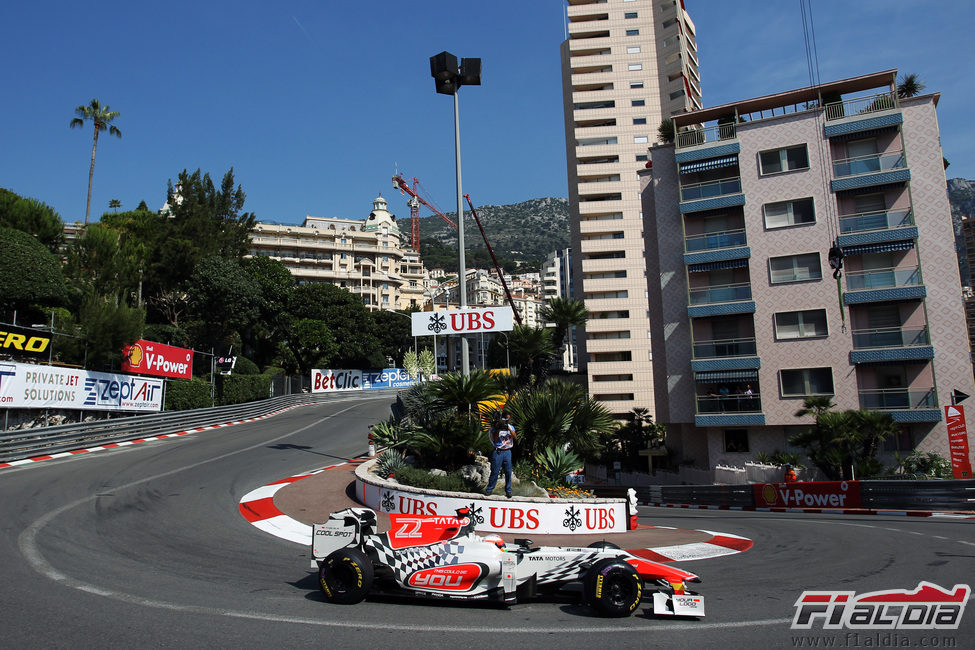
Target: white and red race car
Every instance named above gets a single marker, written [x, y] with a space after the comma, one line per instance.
[442, 557]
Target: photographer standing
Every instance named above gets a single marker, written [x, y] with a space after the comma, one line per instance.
[502, 435]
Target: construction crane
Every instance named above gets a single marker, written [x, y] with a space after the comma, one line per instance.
[416, 200]
[414, 203]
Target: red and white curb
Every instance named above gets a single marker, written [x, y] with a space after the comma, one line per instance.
[257, 507]
[113, 445]
[826, 511]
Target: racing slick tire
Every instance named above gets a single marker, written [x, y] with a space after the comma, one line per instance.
[605, 545]
[345, 576]
[613, 588]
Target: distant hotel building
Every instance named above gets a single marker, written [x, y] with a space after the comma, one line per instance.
[741, 215]
[365, 256]
[626, 65]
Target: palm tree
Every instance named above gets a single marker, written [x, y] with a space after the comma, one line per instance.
[115, 204]
[909, 85]
[531, 350]
[565, 313]
[102, 119]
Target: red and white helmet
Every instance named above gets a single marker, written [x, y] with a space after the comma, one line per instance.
[496, 540]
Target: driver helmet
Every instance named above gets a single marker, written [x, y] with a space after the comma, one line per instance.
[496, 540]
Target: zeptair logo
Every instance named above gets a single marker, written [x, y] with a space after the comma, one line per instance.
[929, 607]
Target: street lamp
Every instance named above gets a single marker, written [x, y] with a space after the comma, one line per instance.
[449, 77]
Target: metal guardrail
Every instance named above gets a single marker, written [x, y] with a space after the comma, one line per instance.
[42, 441]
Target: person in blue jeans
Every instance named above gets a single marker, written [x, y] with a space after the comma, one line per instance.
[502, 435]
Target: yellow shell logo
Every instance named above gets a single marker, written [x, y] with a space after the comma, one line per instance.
[769, 494]
[135, 355]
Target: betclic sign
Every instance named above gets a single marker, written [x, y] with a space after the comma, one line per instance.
[462, 321]
[150, 358]
[24, 342]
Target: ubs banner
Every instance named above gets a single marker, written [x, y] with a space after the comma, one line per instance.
[29, 386]
[328, 381]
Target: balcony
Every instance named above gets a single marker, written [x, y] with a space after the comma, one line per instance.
[711, 195]
[725, 354]
[728, 410]
[873, 221]
[706, 135]
[903, 404]
[720, 293]
[869, 164]
[888, 278]
[714, 240]
[867, 171]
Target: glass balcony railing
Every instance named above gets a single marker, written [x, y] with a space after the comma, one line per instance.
[714, 240]
[869, 164]
[713, 404]
[890, 337]
[721, 293]
[720, 348]
[710, 189]
[898, 398]
[865, 221]
[883, 279]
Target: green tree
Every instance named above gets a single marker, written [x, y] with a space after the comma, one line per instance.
[667, 131]
[106, 327]
[531, 351]
[312, 344]
[115, 204]
[202, 221]
[29, 273]
[565, 313]
[104, 261]
[393, 331]
[33, 217]
[639, 432]
[909, 85]
[224, 299]
[263, 337]
[559, 414]
[102, 119]
[344, 314]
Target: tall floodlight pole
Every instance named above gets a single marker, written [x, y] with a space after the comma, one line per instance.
[449, 77]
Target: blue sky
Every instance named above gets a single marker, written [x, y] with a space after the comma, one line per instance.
[315, 103]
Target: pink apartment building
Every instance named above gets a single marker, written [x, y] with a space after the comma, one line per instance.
[741, 214]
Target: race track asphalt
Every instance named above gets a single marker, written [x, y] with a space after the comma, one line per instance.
[144, 546]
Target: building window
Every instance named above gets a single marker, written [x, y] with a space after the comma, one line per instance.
[630, 14]
[636, 84]
[633, 32]
[639, 120]
[806, 324]
[677, 93]
[620, 355]
[638, 102]
[641, 157]
[784, 160]
[601, 295]
[633, 49]
[736, 441]
[640, 139]
[620, 377]
[801, 382]
[635, 66]
[789, 213]
[610, 314]
[668, 23]
[795, 268]
[614, 397]
[609, 335]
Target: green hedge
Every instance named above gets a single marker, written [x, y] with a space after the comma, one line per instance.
[185, 394]
[236, 389]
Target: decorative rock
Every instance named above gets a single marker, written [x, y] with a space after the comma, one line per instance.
[437, 472]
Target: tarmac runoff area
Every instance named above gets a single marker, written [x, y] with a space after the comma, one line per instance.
[289, 507]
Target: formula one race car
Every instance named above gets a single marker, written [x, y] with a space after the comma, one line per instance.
[442, 557]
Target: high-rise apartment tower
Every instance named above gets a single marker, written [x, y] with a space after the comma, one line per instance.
[626, 65]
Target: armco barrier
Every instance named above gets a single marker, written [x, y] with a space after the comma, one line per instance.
[874, 495]
[28, 443]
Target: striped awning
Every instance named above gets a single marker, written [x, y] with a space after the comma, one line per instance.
[717, 266]
[711, 376]
[713, 163]
[856, 135]
[883, 247]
